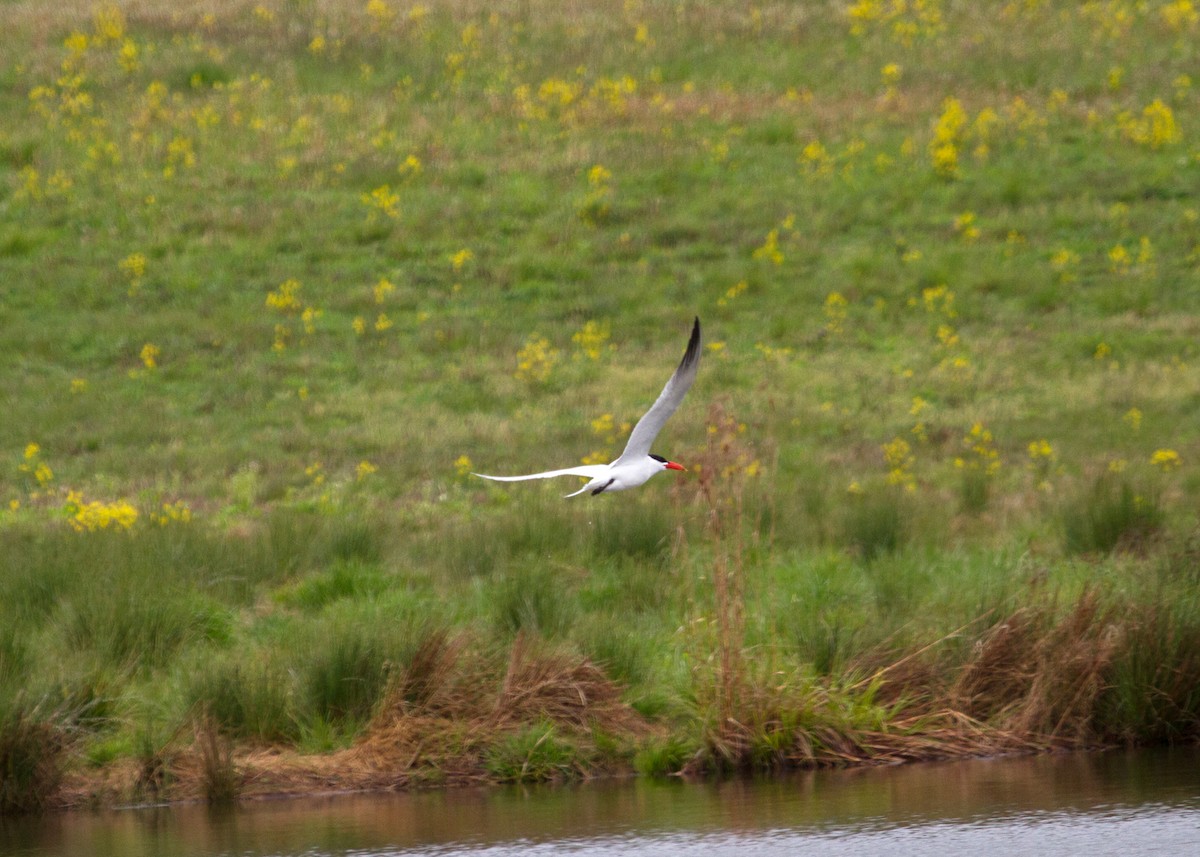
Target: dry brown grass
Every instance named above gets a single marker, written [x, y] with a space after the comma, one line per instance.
[32, 751]
[1039, 677]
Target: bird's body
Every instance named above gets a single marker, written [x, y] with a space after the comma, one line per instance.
[636, 464]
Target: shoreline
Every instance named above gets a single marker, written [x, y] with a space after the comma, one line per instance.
[278, 774]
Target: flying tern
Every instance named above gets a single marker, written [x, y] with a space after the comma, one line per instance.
[636, 463]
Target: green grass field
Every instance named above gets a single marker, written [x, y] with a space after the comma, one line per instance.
[275, 277]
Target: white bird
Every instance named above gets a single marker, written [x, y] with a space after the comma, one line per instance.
[636, 463]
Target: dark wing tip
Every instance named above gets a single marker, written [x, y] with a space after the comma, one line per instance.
[693, 347]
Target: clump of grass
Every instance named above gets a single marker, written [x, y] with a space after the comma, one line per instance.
[428, 669]
[624, 652]
[875, 523]
[250, 699]
[1042, 675]
[827, 643]
[974, 491]
[533, 599]
[664, 757]
[154, 750]
[219, 776]
[1112, 515]
[458, 710]
[638, 533]
[1152, 691]
[560, 687]
[33, 749]
[534, 754]
[345, 678]
[138, 626]
[346, 579]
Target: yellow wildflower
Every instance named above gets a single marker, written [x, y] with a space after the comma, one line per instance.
[965, 226]
[382, 199]
[985, 458]
[1041, 450]
[898, 455]
[308, 318]
[731, 293]
[1065, 262]
[382, 289]
[770, 249]
[815, 159]
[1155, 127]
[603, 424]
[592, 339]
[380, 13]
[1180, 14]
[947, 138]
[284, 298]
[1165, 459]
[947, 336]
[89, 517]
[411, 166]
[536, 359]
[939, 299]
[598, 176]
[134, 265]
[149, 355]
[109, 23]
[128, 56]
[835, 313]
[177, 512]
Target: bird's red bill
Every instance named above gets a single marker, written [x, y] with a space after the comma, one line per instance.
[671, 465]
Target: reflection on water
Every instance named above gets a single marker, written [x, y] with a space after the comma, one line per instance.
[1146, 802]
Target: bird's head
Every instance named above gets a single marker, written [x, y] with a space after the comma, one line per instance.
[667, 465]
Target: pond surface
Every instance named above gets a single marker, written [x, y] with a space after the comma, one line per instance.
[1122, 803]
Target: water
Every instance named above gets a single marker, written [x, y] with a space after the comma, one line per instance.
[1142, 803]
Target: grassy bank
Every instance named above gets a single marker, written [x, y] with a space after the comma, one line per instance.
[276, 277]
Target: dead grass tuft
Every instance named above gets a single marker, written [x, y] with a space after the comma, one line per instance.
[1042, 678]
[33, 747]
[218, 774]
[565, 689]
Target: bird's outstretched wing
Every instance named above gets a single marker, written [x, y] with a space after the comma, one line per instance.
[591, 471]
[653, 420]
